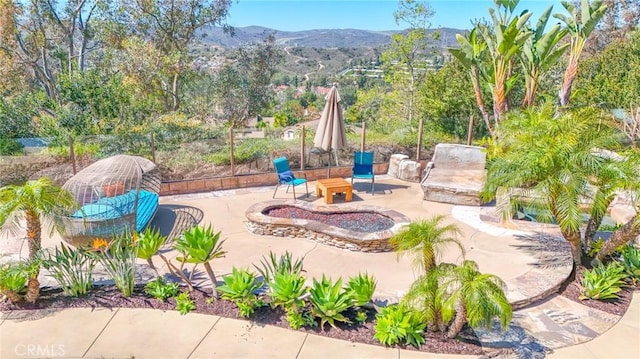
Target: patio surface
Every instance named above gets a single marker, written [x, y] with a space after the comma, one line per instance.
[530, 258]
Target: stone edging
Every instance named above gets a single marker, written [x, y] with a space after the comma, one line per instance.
[259, 223]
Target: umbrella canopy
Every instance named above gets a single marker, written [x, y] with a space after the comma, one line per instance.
[330, 134]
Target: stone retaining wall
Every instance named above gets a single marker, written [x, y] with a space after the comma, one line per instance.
[261, 224]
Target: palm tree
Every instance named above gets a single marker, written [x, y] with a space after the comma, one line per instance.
[474, 297]
[471, 55]
[539, 53]
[424, 240]
[580, 25]
[504, 38]
[33, 202]
[552, 159]
[424, 297]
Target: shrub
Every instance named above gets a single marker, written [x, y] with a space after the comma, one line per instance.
[285, 264]
[603, 282]
[398, 324]
[148, 243]
[13, 281]
[240, 287]
[71, 268]
[361, 289]
[286, 291]
[184, 303]
[630, 259]
[161, 289]
[329, 301]
[10, 147]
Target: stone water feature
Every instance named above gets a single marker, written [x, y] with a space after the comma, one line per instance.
[354, 237]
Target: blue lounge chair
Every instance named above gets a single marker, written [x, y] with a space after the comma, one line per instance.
[286, 176]
[363, 167]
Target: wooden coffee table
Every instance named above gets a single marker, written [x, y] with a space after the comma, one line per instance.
[331, 186]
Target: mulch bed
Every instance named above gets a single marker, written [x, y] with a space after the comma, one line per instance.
[617, 306]
[111, 297]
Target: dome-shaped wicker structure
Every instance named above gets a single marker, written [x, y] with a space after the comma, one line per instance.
[115, 195]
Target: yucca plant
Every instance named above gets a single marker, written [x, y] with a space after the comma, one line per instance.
[161, 289]
[119, 260]
[240, 287]
[329, 301]
[285, 264]
[399, 324]
[71, 268]
[361, 289]
[603, 282]
[286, 290]
[13, 281]
[630, 259]
[200, 245]
[148, 243]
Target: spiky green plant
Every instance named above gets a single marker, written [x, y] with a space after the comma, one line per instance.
[287, 290]
[119, 260]
[630, 259]
[149, 242]
[200, 245]
[13, 281]
[71, 268]
[272, 265]
[161, 289]
[361, 288]
[397, 324]
[603, 282]
[184, 303]
[329, 301]
[240, 287]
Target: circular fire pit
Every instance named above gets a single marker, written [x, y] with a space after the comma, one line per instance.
[357, 228]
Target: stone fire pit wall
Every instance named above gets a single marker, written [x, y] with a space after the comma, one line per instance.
[259, 223]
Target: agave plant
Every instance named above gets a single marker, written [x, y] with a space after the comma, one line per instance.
[13, 281]
[149, 242]
[361, 289]
[286, 291]
[630, 259]
[329, 301]
[200, 245]
[240, 287]
[398, 323]
[603, 282]
[272, 265]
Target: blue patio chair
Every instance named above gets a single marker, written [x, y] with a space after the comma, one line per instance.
[363, 167]
[286, 176]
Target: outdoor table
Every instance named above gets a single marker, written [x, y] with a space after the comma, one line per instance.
[331, 186]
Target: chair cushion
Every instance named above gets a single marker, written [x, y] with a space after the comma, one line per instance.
[359, 169]
[286, 176]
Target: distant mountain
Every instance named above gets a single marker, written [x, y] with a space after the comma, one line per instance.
[328, 38]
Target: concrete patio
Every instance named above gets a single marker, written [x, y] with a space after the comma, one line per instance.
[530, 258]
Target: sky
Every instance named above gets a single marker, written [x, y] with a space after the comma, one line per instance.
[295, 15]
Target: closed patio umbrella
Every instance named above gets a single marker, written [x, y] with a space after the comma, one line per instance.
[330, 135]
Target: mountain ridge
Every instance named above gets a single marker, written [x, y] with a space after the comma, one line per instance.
[319, 38]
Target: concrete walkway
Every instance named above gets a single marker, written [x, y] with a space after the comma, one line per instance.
[532, 260]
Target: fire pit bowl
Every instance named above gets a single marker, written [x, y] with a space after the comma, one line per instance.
[358, 228]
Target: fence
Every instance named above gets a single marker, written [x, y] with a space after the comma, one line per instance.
[191, 155]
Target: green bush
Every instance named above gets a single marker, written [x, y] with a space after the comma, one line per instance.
[286, 291]
[398, 324]
[161, 289]
[240, 288]
[603, 282]
[329, 301]
[361, 289]
[184, 303]
[10, 147]
[630, 259]
[13, 280]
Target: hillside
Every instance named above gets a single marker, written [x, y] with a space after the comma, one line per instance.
[323, 38]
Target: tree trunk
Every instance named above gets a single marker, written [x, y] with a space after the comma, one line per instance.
[627, 233]
[214, 281]
[12, 296]
[573, 237]
[174, 92]
[531, 87]
[478, 96]
[570, 72]
[459, 320]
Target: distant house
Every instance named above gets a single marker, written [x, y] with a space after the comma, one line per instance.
[33, 144]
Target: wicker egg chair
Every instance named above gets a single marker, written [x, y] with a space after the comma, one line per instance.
[115, 195]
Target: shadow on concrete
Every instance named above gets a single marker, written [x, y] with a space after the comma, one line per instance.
[380, 188]
[173, 220]
[551, 251]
